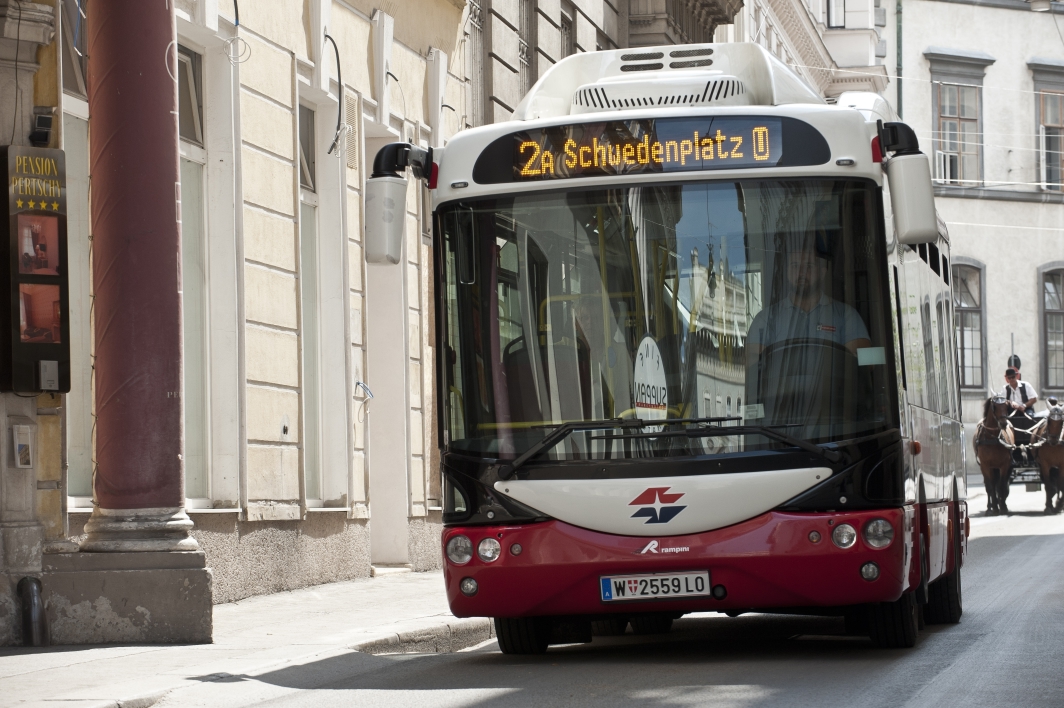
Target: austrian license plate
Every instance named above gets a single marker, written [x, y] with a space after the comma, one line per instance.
[654, 586]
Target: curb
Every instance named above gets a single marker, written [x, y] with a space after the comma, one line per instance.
[146, 700]
[451, 636]
[444, 638]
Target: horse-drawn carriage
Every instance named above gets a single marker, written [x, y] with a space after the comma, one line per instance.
[1014, 448]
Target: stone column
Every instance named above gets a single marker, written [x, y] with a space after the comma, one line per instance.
[138, 485]
[24, 28]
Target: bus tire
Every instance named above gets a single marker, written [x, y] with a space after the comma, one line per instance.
[522, 635]
[945, 597]
[612, 627]
[651, 624]
[893, 625]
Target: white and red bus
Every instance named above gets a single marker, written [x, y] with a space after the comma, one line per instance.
[695, 353]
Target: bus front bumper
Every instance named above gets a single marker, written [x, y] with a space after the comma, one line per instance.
[770, 561]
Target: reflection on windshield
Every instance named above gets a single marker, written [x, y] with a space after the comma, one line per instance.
[762, 300]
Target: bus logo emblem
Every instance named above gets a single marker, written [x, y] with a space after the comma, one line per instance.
[653, 502]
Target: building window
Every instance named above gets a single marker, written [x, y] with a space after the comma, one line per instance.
[959, 144]
[476, 63]
[189, 95]
[957, 101]
[1053, 293]
[75, 61]
[968, 310]
[568, 36]
[195, 333]
[311, 341]
[836, 13]
[525, 42]
[1051, 138]
[306, 148]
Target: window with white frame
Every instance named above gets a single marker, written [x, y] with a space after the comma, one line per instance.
[968, 319]
[306, 148]
[836, 13]
[957, 105]
[309, 321]
[1053, 336]
[189, 93]
[959, 144]
[1051, 139]
[194, 277]
[1048, 79]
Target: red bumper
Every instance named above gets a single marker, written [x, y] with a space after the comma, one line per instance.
[768, 561]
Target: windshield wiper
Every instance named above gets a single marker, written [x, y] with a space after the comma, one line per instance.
[561, 432]
[768, 432]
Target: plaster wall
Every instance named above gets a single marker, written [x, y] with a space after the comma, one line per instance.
[1010, 238]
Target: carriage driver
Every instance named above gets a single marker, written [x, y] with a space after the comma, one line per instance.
[1020, 394]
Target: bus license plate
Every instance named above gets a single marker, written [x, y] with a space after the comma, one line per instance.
[616, 588]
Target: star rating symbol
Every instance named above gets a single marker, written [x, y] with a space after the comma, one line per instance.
[55, 206]
[18, 203]
[32, 204]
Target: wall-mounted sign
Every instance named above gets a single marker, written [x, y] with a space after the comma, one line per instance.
[35, 328]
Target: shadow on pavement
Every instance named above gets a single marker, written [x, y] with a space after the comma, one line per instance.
[699, 641]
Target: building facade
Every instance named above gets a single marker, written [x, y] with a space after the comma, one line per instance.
[988, 111]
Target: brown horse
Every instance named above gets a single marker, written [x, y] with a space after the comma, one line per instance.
[994, 442]
[1048, 442]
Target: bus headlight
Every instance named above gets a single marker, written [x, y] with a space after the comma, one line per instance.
[844, 536]
[878, 533]
[459, 550]
[489, 549]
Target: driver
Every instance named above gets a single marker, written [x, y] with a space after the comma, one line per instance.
[806, 312]
[1020, 394]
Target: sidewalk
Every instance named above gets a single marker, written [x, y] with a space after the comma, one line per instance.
[391, 614]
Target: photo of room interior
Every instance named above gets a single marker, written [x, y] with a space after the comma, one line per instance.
[38, 244]
[39, 314]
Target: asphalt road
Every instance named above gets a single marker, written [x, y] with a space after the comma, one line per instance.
[1008, 650]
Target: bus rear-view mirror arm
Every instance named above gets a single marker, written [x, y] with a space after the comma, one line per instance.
[912, 197]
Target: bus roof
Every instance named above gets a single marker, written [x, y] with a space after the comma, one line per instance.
[689, 75]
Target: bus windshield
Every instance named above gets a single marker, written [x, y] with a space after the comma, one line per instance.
[760, 302]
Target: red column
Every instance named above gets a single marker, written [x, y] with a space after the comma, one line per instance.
[138, 485]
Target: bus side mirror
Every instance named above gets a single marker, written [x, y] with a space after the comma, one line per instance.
[912, 198]
[385, 219]
[386, 198]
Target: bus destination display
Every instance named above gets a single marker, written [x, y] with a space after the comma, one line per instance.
[647, 146]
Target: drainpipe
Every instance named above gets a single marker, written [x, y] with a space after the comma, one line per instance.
[897, 16]
[34, 619]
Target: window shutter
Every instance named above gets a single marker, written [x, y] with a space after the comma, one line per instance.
[351, 139]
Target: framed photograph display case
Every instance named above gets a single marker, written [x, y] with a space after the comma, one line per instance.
[35, 327]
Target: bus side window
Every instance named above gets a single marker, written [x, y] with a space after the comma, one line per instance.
[899, 328]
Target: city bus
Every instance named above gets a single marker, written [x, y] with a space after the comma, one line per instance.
[694, 353]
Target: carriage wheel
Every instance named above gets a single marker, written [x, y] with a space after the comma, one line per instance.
[893, 625]
[523, 635]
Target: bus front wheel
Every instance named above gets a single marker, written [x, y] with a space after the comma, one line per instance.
[894, 625]
[522, 635]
